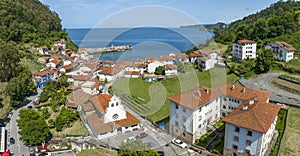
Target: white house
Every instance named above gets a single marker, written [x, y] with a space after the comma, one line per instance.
[89, 87]
[194, 112]
[132, 74]
[110, 73]
[194, 56]
[109, 116]
[153, 65]
[282, 51]
[43, 50]
[243, 49]
[208, 59]
[170, 69]
[167, 60]
[182, 57]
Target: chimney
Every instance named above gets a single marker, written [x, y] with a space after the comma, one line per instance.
[243, 90]
[232, 87]
[198, 93]
[251, 102]
[245, 107]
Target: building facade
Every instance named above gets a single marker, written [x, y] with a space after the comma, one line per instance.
[282, 51]
[193, 113]
[243, 49]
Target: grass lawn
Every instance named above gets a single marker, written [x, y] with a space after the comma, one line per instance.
[5, 101]
[290, 143]
[280, 125]
[32, 66]
[159, 91]
[94, 152]
[77, 129]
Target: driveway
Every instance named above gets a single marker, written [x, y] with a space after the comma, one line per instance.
[262, 82]
[12, 128]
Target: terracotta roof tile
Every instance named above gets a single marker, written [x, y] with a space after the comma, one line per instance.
[195, 54]
[166, 58]
[71, 105]
[42, 73]
[129, 121]
[101, 101]
[170, 66]
[285, 45]
[246, 41]
[257, 116]
[98, 125]
[86, 107]
[132, 73]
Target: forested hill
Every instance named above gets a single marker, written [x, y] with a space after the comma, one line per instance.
[278, 20]
[29, 21]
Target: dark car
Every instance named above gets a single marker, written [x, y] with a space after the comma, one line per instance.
[11, 141]
[31, 151]
[141, 136]
[29, 107]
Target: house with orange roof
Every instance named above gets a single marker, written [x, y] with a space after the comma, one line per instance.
[41, 77]
[167, 60]
[244, 110]
[170, 69]
[54, 63]
[194, 56]
[209, 59]
[182, 57]
[153, 65]
[43, 50]
[243, 49]
[110, 73]
[282, 51]
[106, 116]
[132, 74]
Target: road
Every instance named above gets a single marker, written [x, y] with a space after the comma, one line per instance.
[262, 82]
[12, 128]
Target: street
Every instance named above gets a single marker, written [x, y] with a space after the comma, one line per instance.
[18, 148]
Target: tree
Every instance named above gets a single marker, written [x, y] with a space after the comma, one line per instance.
[63, 80]
[20, 86]
[65, 118]
[33, 127]
[160, 70]
[264, 61]
[9, 58]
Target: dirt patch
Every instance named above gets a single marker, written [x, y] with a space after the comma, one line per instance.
[286, 85]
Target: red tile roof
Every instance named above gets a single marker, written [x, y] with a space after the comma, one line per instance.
[195, 54]
[246, 41]
[71, 105]
[257, 116]
[285, 45]
[166, 58]
[110, 70]
[190, 98]
[42, 73]
[98, 125]
[101, 101]
[70, 66]
[129, 121]
[170, 66]
[132, 73]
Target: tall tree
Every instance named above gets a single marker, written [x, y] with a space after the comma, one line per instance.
[264, 61]
[33, 127]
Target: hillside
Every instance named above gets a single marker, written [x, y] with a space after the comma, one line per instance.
[280, 20]
[207, 27]
[29, 21]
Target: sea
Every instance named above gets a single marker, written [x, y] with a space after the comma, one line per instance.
[146, 41]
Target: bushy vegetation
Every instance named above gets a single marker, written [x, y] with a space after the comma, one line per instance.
[65, 118]
[280, 127]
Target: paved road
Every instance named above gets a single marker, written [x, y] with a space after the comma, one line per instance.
[262, 82]
[12, 128]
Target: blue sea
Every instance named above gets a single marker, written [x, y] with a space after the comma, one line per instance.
[146, 41]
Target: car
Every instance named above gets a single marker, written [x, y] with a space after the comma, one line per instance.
[179, 143]
[45, 154]
[149, 144]
[31, 151]
[141, 136]
[11, 141]
[29, 107]
[130, 139]
[10, 114]
[161, 153]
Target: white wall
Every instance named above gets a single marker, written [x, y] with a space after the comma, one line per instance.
[285, 54]
[171, 72]
[115, 107]
[267, 137]
[109, 134]
[152, 66]
[129, 129]
[256, 139]
[241, 52]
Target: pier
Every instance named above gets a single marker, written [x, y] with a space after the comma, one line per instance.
[108, 49]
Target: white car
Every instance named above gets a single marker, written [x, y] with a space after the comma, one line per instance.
[130, 139]
[179, 143]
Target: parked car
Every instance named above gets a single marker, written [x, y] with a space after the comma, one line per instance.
[45, 154]
[130, 139]
[141, 136]
[179, 143]
[11, 141]
[31, 151]
[149, 144]
[161, 153]
[10, 114]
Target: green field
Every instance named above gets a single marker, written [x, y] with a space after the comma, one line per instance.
[290, 143]
[155, 94]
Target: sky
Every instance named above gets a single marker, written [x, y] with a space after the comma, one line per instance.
[165, 13]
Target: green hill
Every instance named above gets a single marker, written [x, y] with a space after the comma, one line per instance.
[29, 21]
[278, 21]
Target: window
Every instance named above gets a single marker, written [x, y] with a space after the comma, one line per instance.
[224, 107]
[249, 133]
[235, 147]
[184, 120]
[199, 126]
[248, 142]
[115, 116]
[235, 138]
[200, 109]
[216, 107]
[200, 118]
[234, 154]
[117, 104]
[183, 134]
[183, 109]
[216, 99]
[216, 116]
[224, 98]
[112, 105]
[176, 123]
[176, 115]
[176, 106]
[237, 129]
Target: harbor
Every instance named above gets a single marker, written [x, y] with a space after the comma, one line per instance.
[120, 48]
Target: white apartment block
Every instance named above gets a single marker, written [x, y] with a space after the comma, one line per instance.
[282, 51]
[194, 112]
[243, 49]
